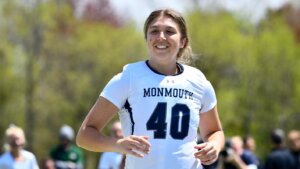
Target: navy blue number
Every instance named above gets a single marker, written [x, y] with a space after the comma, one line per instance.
[180, 117]
[157, 121]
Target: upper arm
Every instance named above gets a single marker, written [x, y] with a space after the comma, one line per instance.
[100, 114]
[110, 101]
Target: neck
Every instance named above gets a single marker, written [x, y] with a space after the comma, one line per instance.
[16, 153]
[169, 68]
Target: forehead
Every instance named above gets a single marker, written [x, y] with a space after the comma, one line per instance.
[164, 21]
[16, 135]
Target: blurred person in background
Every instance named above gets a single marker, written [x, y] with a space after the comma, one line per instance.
[248, 154]
[232, 156]
[294, 146]
[249, 143]
[112, 160]
[47, 164]
[16, 157]
[66, 155]
[279, 157]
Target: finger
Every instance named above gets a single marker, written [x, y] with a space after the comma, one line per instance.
[134, 153]
[140, 144]
[200, 146]
[206, 157]
[209, 161]
[208, 151]
[143, 144]
[205, 150]
[139, 148]
[203, 155]
[146, 137]
[142, 139]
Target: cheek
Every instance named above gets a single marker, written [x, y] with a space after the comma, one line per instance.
[150, 39]
[149, 42]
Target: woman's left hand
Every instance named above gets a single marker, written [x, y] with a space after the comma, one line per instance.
[207, 152]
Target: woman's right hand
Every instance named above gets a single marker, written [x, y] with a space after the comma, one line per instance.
[137, 146]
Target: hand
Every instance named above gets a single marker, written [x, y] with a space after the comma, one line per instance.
[207, 152]
[134, 145]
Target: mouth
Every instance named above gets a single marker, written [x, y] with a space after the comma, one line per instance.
[161, 46]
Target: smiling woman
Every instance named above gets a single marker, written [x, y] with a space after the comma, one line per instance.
[162, 101]
[169, 26]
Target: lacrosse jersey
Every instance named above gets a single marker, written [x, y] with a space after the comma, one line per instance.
[166, 108]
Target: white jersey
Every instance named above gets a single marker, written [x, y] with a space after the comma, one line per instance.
[110, 160]
[8, 162]
[165, 108]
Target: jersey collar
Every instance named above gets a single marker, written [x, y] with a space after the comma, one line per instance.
[179, 67]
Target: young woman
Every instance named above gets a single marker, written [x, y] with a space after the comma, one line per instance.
[162, 103]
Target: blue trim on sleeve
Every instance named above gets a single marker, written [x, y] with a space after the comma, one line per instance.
[129, 109]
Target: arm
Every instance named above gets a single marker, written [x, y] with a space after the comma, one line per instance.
[213, 136]
[90, 137]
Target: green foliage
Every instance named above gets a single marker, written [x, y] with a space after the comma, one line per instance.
[253, 70]
[76, 59]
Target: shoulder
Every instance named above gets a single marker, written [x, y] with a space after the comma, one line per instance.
[249, 157]
[197, 77]
[76, 149]
[53, 149]
[277, 153]
[134, 66]
[28, 154]
[247, 153]
[4, 157]
[129, 69]
[193, 72]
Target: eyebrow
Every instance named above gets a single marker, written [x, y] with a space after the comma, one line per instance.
[154, 27]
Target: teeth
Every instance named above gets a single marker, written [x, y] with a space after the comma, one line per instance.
[161, 46]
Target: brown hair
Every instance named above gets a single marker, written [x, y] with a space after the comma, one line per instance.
[185, 54]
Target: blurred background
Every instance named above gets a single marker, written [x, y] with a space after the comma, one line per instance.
[57, 55]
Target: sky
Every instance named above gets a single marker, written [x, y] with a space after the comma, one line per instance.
[252, 10]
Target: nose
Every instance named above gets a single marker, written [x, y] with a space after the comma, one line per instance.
[162, 35]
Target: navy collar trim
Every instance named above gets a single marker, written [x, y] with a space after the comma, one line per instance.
[178, 65]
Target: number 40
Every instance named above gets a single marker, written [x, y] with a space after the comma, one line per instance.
[180, 113]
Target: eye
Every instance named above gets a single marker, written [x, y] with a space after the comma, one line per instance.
[153, 31]
[170, 32]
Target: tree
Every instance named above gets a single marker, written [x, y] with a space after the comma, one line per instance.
[253, 70]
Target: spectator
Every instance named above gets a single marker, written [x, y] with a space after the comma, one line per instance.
[294, 146]
[248, 155]
[48, 164]
[16, 157]
[249, 143]
[232, 156]
[67, 155]
[279, 157]
[112, 160]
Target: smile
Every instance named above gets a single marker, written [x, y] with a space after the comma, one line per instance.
[161, 46]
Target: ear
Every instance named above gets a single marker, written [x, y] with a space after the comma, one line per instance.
[183, 42]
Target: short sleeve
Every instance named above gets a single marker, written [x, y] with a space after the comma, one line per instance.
[35, 164]
[117, 89]
[209, 99]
